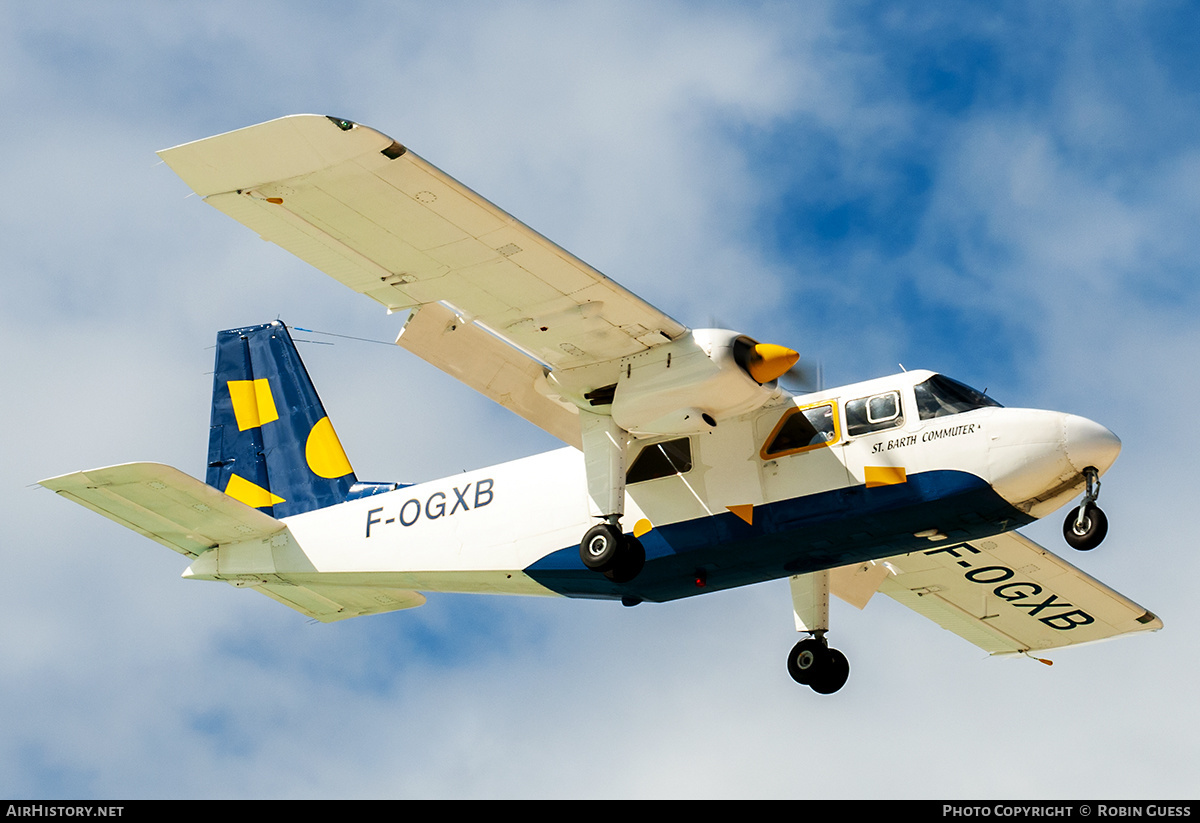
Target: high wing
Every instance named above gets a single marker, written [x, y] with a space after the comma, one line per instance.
[362, 208]
[194, 519]
[1006, 594]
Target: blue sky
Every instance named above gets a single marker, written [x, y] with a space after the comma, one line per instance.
[1005, 192]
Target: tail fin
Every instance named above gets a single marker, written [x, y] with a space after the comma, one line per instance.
[271, 444]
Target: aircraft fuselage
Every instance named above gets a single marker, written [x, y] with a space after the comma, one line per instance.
[736, 514]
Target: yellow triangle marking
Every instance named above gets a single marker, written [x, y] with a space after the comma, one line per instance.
[641, 527]
[884, 476]
[746, 512]
[251, 494]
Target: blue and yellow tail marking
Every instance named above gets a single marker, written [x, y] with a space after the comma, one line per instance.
[253, 403]
[271, 445]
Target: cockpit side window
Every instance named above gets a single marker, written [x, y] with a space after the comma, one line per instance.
[802, 429]
[873, 414]
[940, 396]
[661, 460]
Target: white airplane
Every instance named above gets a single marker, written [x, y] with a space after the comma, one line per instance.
[687, 468]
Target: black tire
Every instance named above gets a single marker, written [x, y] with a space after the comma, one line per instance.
[630, 561]
[1095, 528]
[805, 659]
[832, 674]
[601, 547]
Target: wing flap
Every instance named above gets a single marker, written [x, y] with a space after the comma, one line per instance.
[490, 366]
[166, 505]
[1006, 594]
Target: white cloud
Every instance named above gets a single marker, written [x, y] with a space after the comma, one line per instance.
[622, 135]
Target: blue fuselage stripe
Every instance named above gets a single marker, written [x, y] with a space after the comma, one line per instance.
[804, 534]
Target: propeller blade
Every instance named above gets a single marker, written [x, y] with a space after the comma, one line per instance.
[804, 377]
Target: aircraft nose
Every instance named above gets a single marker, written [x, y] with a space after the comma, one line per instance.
[1090, 444]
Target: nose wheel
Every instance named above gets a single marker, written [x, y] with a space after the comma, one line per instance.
[1086, 525]
[812, 663]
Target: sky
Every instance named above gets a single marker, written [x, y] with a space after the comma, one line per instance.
[1005, 192]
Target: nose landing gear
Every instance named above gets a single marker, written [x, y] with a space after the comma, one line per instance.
[1086, 526]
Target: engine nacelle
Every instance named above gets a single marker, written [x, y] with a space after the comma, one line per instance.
[690, 384]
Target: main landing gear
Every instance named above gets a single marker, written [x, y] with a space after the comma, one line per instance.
[604, 548]
[812, 663]
[1086, 526]
[617, 556]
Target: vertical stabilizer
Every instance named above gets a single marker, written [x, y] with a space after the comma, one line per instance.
[271, 445]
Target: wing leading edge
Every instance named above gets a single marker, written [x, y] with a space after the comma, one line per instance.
[360, 207]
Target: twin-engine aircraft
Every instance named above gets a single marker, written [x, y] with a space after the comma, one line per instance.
[687, 467]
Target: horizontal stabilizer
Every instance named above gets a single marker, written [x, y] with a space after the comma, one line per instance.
[191, 517]
[1007, 595]
[166, 505]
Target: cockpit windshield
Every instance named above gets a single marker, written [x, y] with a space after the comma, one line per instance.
[940, 396]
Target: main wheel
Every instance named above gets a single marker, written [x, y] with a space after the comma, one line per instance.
[805, 660]
[832, 674]
[1090, 534]
[601, 547]
[630, 561]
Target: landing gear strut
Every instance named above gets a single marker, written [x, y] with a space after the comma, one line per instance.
[604, 548]
[1086, 526]
[812, 663]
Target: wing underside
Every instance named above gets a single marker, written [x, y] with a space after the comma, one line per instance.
[1005, 594]
[375, 216]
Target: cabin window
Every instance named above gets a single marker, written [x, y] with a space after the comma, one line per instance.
[873, 414]
[802, 429]
[940, 396]
[661, 460]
